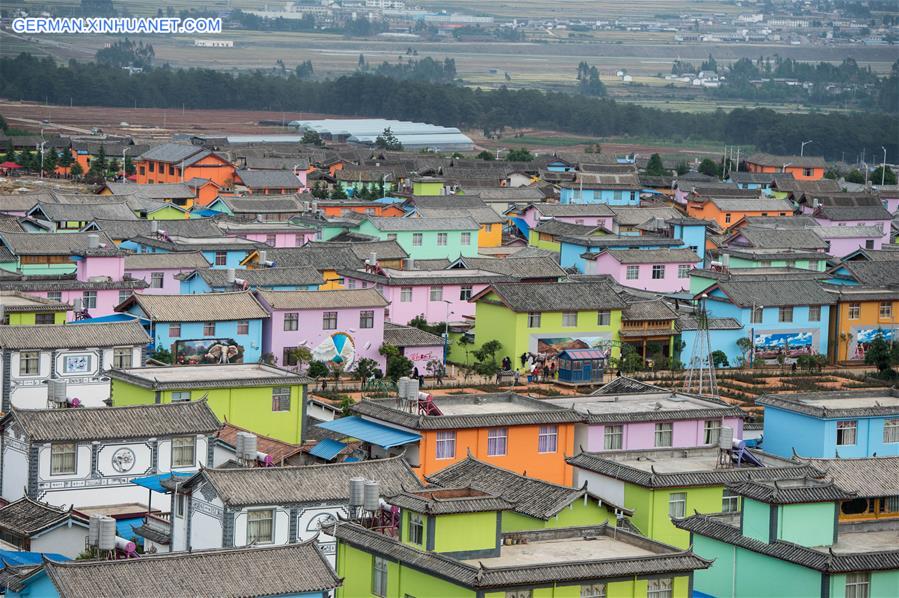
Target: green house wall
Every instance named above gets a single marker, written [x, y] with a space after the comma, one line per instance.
[465, 532]
[27, 318]
[651, 510]
[575, 515]
[807, 524]
[883, 584]
[756, 519]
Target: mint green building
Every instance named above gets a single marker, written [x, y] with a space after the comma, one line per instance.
[450, 542]
[425, 238]
[788, 542]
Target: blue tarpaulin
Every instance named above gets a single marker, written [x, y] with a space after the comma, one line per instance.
[370, 432]
[327, 449]
[15, 559]
[109, 318]
[152, 482]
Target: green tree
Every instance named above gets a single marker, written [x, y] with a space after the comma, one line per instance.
[301, 356]
[304, 70]
[744, 344]
[388, 141]
[129, 166]
[486, 364]
[338, 192]
[888, 177]
[398, 365]
[719, 359]
[317, 369]
[76, 170]
[655, 167]
[311, 137]
[709, 167]
[485, 155]
[682, 168]
[879, 354]
[3, 125]
[365, 369]
[161, 355]
[519, 155]
[855, 176]
[65, 159]
[465, 341]
[421, 323]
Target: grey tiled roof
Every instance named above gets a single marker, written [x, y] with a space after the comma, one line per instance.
[664, 561]
[305, 484]
[81, 212]
[560, 227]
[622, 241]
[790, 491]
[409, 336]
[264, 204]
[336, 299]
[612, 465]
[771, 238]
[827, 562]
[775, 292]
[654, 256]
[25, 517]
[387, 249]
[632, 216]
[532, 412]
[425, 501]
[779, 161]
[121, 230]
[434, 277]
[269, 179]
[321, 257]
[653, 309]
[74, 336]
[799, 403]
[56, 244]
[107, 423]
[292, 569]
[866, 477]
[522, 267]
[873, 274]
[799, 186]
[217, 278]
[730, 204]
[505, 193]
[481, 215]
[842, 213]
[557, 210]
[162, 261]
[157, 191]
[691, 323]
[529, 496]
[171, 152]
[239, 375]
[569, 296]
[423, 224]
[200, 307]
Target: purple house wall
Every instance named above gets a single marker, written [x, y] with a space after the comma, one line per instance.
[297, 239]
[675, 265]
[641, 435]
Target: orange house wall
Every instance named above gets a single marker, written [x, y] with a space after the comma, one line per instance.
[379, 210]
[521, 452]
[210, 167]
[797, 172]
[708, 211]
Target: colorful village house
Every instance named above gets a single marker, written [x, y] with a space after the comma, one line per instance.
[204, 328]
[213, 280]
[535, 504]
[546, 318]
[574, 251]
[271, 208]
[180, 194]
[524, 219]
[862, 314]
[88, 457]
[161, 270]
[20, 309]
[763, 247]
[663, 484]
[327, 259]
[548, 234]
[273, 234]
[803, 168]
[619, 189]
[32, 526]
[789, 541]
[785, 318]
[420, 347]
[220, 252]
[340, 327]
[725, 211]
[658, 270]
[232, 507]
[269, 182]
[52, 254]
[490, 224]
[69, 217]
[124, 230]
[260, 398]
[507, 430]
[426, 238]
[849, 209]
[339, 208]
[74, 357]
[847, 423]
[84, 152]
[176, 163]
[462, 551]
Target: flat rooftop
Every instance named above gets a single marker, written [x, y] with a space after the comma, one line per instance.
[637, 402]
[681, 460]
[207, 375]
[862, 537]
[452, 406]
[563, 550]
[841, 403]
[853, 403]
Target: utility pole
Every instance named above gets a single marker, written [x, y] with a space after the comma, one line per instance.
[883, 166]
[802, 149]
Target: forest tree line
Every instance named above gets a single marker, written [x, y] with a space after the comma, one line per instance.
[26, 77]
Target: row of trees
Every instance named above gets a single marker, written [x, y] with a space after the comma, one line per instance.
[26, 77]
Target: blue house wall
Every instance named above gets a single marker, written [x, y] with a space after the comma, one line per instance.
[576, 195]
[693, 237]
[233, 256]
[817, 437]
[38, 586]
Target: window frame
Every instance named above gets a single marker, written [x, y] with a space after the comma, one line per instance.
[662, 587]
[61, 451]
[442, 239]
[569, 319]
[254, 539]
[417, 239]
[406, 294]
[174, 329]
[663, 429]
[847, 427]
[858, 584]
[677, 503]
[497, 442]
[243, 327]
[658, 271]
[465, 238]
[854, 311]
[632, 273]
[604, 317]
[416, 529]
[208, 328]
[730, 501]
[548, 439]
[220, 258]
[534, 319]
[442, 440]
[683, 271]
[890, 431]
[180, 396]
[193, 451]
[329, 320]
[885, 311]
[118, 353]
[711, 431]
[280, 397]
[593, 590]
[814, 313]
[379, 572]
[89, 300]
[613, 435]
[157, 277]
[45, 319]
[785, 314]
[435, 294]
[367, 318]
[465, 292]
[291, 321]
[26, 357]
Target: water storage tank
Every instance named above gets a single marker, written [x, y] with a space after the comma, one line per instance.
[726, 438]
[402, 387]
[357, 491]
[371, 499]
[93, 530]
[246, 446]
[56, 391]
[107, 534]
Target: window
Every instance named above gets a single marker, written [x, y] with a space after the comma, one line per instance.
[436, 293]
[243, 327]
[208, 328]
[62, 458]
[221, 258]
[44, 318]
[270, 240]
[171, 170]
[151, 166]
[367, 318]
[814, 313]
[329, 320]
[891, 430]
[677, 504]
[858, 585]
[281, 398]
[174, 329]
[569, 319]
[683, 270]
[785, 314]
[603, 318]
[29, 363]
[442, 239]
[886, 310]
[496, 442]
[659, 588]
[90, 299]
[260, 525]
[121, 357]
[534, 320]
[613, 438]
[406, 295]
[180, 396]
[854, 310]
[183, 450]
[446, 445]
[664, 432]
[291, 321]
[712, 431]
[727, 218]
[179, 505]
[633, 273]
[813, 264]
[869, 244]
[464, 293]
[57, 295]
[488, 228]
[289, 357]
[846, 432]
[379, 577]
[547, 439]
[593, 590]
[156, 279]
[519, 594]
[466, 239]
[124, 295]
[416, 529]
[730, 501]
[658, 271]
[417, 239]
[391, 237]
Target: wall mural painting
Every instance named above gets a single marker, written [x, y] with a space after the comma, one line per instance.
[554, 345]
[339, 349]
[862, 338]
[791, 344]
[203, 351]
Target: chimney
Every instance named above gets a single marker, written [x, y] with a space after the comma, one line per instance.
[93, 241]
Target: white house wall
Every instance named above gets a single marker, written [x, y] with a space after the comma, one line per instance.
[15, 465]
[67, 540]
[610, 489]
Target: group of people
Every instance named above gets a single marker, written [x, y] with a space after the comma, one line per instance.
[538, 370]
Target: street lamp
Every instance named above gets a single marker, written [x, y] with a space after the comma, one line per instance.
[883, 167]
[500, 149]
[446, 330]
[761, 308]
[43, 141]
[784, 167]
[124, 170]
[804, 143]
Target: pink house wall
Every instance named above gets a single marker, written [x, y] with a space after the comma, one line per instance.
[843, 247]
[170, 284]
[400, 312]
[420, 356]
[531, 217]
[606, 264]
[883, 225]
[310, 334]
[641, 435]
[107, 299]
[281, 239]
[87, 267]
